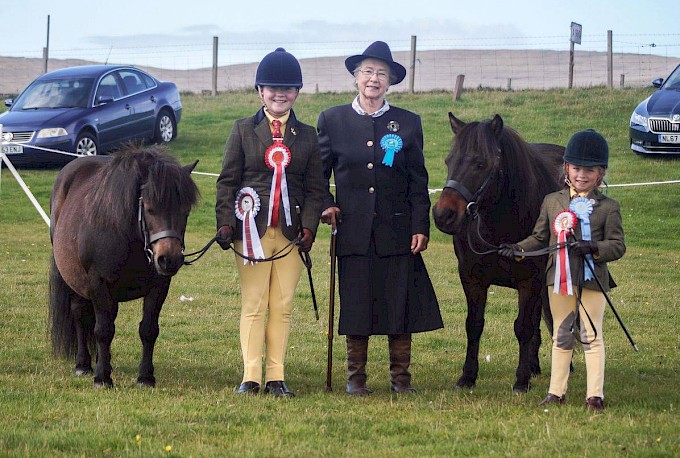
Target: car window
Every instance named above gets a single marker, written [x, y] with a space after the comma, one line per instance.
[150, 82]
[108, 87]
[673, 81]
[56, 93]
[132, 81]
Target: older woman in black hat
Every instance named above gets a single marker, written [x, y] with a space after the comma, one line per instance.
[381, 213]
[271, 166]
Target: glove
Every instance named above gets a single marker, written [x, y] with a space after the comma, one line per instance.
[306, 240]
[507, 250]
[223, 238]
[584, 247]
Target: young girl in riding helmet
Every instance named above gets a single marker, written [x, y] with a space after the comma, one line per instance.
[271, 166]
[587, 224]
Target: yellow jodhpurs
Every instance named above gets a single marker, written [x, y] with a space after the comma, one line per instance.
[267, 286]
[563, 309]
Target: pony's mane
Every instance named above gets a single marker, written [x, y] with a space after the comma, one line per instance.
[529, 176]
[149, 172]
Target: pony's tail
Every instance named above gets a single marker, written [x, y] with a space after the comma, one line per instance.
[62, 321]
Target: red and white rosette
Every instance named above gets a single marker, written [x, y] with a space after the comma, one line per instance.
[277, 157]
[563, 226]
[247, 206]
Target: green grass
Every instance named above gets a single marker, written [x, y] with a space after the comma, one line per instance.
[45, 411]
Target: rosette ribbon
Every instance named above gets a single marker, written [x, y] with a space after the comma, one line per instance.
[247, 207]
[277, 157]
[562, 227]
[392, 144]
[583, 208]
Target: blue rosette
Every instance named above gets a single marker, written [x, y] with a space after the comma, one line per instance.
[583, 208]
[392, 144]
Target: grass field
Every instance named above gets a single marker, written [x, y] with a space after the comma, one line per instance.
[45, 411]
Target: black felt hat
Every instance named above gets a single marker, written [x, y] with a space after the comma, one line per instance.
[378, 50]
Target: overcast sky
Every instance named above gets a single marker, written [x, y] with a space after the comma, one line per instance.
[84, 24]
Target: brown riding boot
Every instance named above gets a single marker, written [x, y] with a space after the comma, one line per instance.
[357, 355]
[400, 360]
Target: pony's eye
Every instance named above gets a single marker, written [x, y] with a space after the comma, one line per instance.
[481, 165]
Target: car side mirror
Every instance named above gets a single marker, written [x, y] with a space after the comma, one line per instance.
[657, 82]
[104, 99]
[9, 102]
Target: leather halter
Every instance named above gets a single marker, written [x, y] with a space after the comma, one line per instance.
[150, 239]
[470, 198]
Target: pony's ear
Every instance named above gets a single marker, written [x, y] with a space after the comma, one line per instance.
[190, 167]
[497, 125]
[456, 124]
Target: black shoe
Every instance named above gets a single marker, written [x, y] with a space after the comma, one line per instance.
[248, 388]
[278, 389]
[553, 399]
[595, 403]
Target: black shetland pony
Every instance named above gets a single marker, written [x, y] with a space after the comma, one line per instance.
[495, 186]
[117, 229]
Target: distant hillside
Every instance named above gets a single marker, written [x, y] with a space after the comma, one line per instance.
[435, 70]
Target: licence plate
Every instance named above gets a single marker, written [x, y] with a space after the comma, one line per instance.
[665, 138]
[11, 149]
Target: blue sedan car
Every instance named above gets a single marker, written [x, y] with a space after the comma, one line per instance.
[87, 110]
[655, 123]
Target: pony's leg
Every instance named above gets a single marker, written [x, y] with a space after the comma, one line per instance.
[476, 296]
[526, 327]
[148, 332]
[83, 316]
[105, 311]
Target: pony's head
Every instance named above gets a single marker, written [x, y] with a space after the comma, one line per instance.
[473, 167]
[146, 195]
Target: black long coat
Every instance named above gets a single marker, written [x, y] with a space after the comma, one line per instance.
[384, 289]
[392, 201]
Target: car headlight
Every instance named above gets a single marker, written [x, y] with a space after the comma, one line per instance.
[638, 119]
[52, 132]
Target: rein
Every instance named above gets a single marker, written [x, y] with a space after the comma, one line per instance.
[278, 255]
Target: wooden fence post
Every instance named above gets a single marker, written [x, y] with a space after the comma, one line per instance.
[459, 87]
[214, 67]
[412, 76]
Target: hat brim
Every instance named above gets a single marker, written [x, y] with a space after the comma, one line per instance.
[397, 70]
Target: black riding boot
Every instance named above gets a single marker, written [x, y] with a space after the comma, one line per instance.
[357, 355]
[400, 360]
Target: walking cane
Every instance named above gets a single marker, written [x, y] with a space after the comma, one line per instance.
[331, 314]
[609, 301]
[307, 261]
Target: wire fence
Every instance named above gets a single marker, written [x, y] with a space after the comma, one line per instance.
[496, 63]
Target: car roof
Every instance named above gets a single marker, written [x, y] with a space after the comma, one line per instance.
[84, 71]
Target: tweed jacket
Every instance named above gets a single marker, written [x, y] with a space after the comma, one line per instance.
[387, 203]
[244, 165]
[606, 229]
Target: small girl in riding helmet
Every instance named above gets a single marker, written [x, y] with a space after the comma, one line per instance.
[587, 226]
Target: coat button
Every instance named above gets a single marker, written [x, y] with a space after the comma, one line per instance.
[369, 143]
[371, 190]
[369, 166]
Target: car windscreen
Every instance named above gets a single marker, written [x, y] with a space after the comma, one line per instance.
[673, 80]
[55, 93]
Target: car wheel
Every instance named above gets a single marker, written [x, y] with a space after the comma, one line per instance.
[165, 128]
[86, 144]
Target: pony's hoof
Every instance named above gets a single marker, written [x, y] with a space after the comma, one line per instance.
[103, 383]
[463, 384]
[146, 383]
[521, 389]
[80, 371]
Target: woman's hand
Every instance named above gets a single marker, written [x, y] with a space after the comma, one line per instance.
[332, 216]
[418, 243]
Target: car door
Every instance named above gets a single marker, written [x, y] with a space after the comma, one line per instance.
[113, 113]
[140, 98]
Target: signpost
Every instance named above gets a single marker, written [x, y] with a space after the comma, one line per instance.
[576, 30]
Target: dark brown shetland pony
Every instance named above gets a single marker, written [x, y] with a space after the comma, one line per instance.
[495, 186]
[117, 229]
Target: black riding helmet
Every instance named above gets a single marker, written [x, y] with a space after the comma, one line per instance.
[587, 148]
[279, 69]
